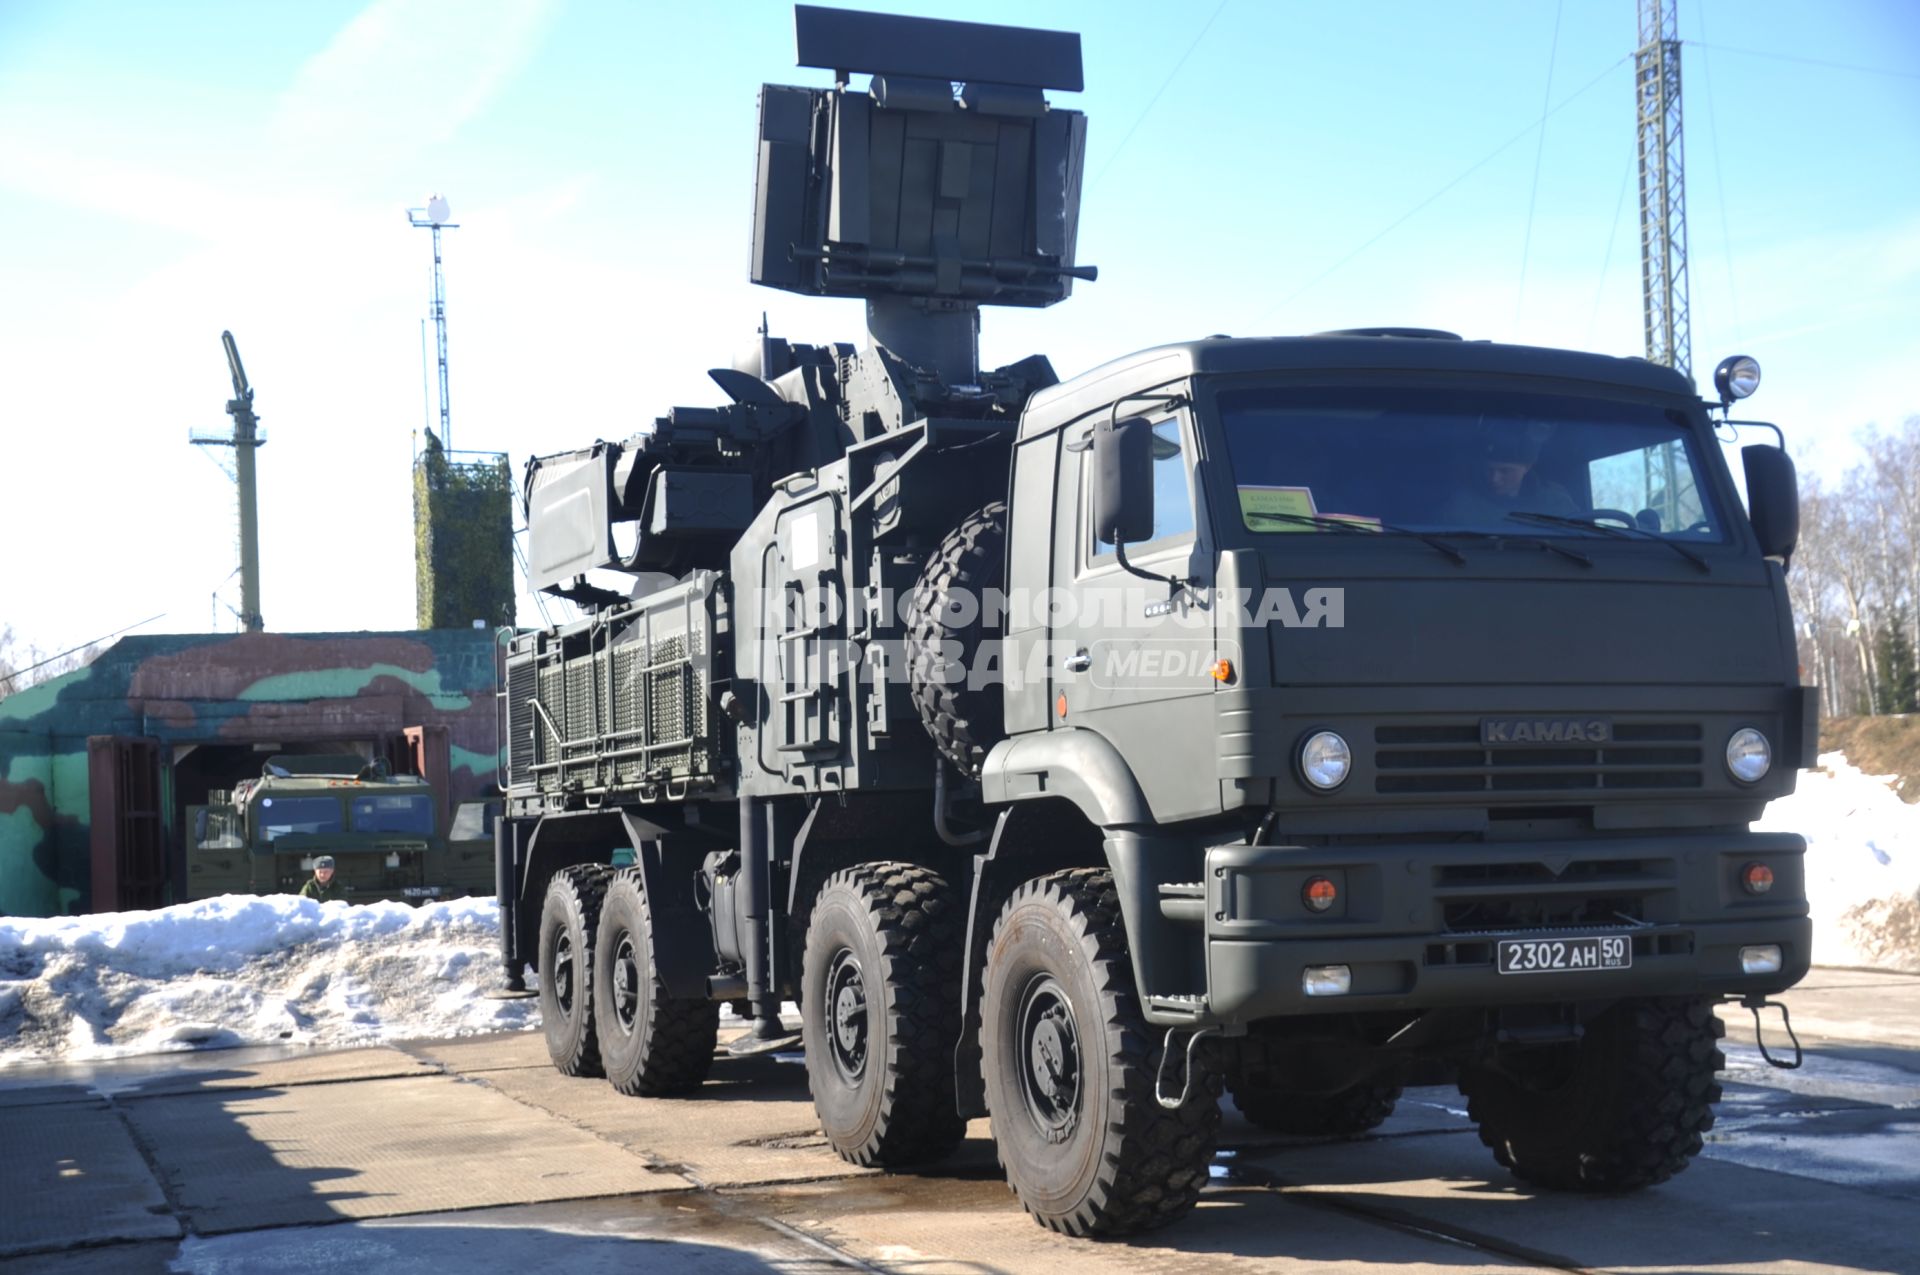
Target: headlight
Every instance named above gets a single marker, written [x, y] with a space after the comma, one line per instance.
[1325, 760]
[1736, 377]
[1749, 755]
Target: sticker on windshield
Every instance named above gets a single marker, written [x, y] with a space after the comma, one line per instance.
[1289, 509]
[1258, 505]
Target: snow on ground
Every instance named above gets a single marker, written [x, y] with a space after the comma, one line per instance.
[241, 970]
[1863, 865]
[245, 970]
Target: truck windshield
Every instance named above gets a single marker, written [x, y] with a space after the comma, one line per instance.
[401, 812]
[282, 815]
[1450, 461]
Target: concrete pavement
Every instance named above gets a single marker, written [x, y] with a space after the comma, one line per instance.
[474, 1154]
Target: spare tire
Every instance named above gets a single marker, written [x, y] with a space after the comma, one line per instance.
[948, 639]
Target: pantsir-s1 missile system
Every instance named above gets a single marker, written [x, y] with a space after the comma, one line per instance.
[1280, 714]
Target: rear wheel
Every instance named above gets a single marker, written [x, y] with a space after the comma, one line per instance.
[880, 1013]
[650, 1042]
[569, 917]
[1622, 1108]
[1070, 1066]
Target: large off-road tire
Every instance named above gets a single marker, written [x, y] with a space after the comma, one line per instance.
[1070, 1066]
[569, 918]
[1261, 1090]
[880, 1013]
[650, 1043]
[947, 639]
[1622, 1108]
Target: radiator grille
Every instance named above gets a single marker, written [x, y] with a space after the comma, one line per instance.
[1449, 757]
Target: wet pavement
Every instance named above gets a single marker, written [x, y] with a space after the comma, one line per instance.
[474, 1154]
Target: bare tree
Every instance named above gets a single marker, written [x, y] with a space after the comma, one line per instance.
[25, 665]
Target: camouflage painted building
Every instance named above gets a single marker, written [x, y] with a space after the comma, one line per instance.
[98, 768]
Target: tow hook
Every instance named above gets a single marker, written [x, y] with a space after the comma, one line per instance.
[1758, 1003]
[1186, 1083]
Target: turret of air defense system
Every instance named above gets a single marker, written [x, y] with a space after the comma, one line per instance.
[1280, 714]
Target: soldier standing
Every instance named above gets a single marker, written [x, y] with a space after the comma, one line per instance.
[321, 888]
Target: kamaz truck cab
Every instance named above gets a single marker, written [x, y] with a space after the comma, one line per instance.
[1456, 640]
[1292, 715]
[381, 829]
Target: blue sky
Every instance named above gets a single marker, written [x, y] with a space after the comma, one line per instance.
[169, 171]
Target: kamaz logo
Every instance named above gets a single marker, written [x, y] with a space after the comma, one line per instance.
[1545, 730]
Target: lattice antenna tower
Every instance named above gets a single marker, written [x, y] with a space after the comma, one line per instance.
[1663, 201]
[434, 217]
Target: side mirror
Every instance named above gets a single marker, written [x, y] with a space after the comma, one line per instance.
[1773, 499]
[1123, 480]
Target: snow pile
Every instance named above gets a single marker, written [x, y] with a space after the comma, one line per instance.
[245, 970]
[1863, 865]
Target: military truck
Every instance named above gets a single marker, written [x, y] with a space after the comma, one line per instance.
[1275, 714]
[383, 831]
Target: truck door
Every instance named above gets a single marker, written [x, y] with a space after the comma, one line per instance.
[803, 663]
[1133, 658]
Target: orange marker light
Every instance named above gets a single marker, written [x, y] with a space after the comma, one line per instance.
[1756, 878]
[1319, 894]
[1060, 705]
[1223, 670]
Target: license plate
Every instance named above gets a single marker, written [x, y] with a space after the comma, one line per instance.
[421, 892]
[1550, 956]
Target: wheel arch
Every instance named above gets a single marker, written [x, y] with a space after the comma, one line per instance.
[1079, 765]
[1030, 839]
[556, 843]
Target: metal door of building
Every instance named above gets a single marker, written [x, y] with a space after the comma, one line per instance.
[129, 849]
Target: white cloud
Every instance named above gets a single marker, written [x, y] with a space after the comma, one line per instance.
[407, 72]
[131, 191]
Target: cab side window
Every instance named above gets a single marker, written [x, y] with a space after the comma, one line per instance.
[1172, 497]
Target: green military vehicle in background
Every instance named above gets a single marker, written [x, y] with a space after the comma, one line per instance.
[383, 831]
[1288, 715]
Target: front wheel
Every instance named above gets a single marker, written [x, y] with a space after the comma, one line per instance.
[650, 1042]
[1619, 1109]
[880, 1013]
[1070, 1067]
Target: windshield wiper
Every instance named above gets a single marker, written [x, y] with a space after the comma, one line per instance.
[1367, 529]
[1609, 529]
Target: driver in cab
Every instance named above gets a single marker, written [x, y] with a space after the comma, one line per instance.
[1504, 482]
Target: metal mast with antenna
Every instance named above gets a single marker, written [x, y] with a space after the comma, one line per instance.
[434, 217]
[245, 439]
[1663, 202]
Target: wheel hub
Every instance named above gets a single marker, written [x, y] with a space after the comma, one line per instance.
[626, 983]
[846, 1007]
[1049, 1058]
[563, 975]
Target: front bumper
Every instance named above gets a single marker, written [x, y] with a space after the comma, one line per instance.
[1417, 923]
